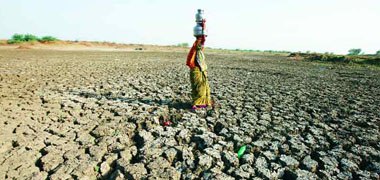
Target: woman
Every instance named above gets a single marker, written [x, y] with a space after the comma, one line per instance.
[198, 75]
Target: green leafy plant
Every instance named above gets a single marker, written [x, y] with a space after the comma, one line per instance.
[116, 133]
[60, 119]
[378, 52]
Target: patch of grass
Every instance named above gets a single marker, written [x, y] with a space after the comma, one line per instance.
[370, 62]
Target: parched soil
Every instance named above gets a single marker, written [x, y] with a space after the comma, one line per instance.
[101, 115]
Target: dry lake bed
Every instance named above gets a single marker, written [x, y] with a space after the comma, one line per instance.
[100, 115]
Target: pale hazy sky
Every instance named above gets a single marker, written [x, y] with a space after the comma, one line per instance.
[295, 25]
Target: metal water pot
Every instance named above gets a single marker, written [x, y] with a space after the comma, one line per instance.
[199, 16]
[198, 29]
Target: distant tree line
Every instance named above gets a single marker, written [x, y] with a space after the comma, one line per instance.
[268, 51]
[183, 45]
[354, 51]
[18, 38]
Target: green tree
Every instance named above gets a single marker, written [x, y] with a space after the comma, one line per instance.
[354, 51]
[16, 38]
[378, 52]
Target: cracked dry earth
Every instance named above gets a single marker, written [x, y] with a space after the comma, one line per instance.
[99, 115]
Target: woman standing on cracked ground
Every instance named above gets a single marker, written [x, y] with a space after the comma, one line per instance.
[196, 61]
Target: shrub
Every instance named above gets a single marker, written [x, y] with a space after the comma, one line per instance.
[12, 41]
[337, 58]
[48, 38]
[30, 37]
[328, 58]
[18, 38]
[354, 51]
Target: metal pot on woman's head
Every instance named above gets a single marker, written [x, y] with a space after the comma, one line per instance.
[199, 17]
[199, 30]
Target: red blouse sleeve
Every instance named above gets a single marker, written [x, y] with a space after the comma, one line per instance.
[190, 61]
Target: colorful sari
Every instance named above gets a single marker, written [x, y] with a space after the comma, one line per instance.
[198, 76]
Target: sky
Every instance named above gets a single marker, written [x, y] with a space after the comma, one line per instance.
[293, 25]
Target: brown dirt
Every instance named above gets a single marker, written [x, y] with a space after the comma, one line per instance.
[24, 47]
[89, 46]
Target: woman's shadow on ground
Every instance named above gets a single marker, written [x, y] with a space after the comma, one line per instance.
[171, 104]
